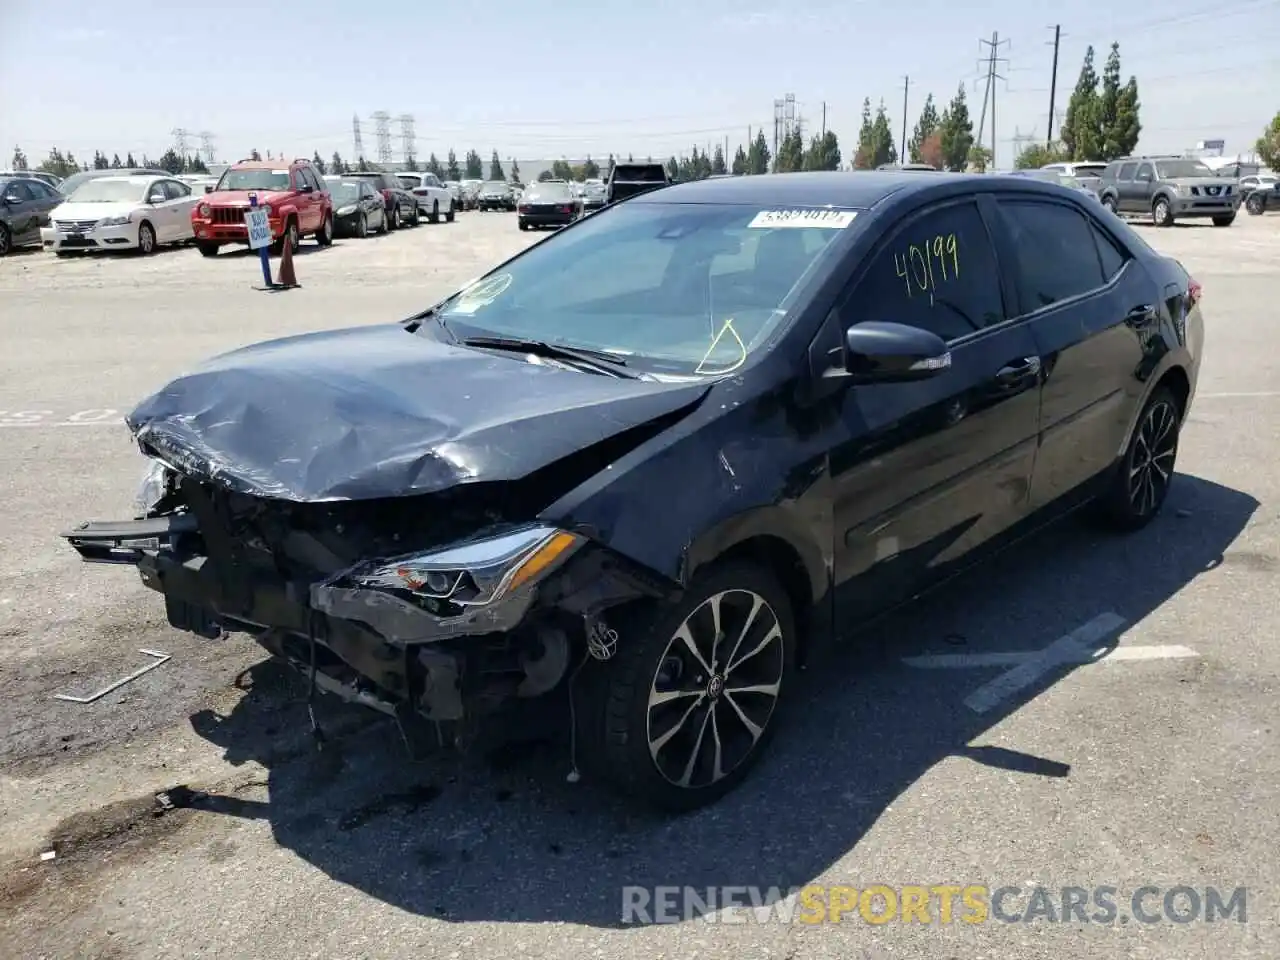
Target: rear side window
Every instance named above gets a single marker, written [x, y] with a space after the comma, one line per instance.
[938, 273]
[1056, 252]
[1111, 256]
[640, 174]
[1127, 171]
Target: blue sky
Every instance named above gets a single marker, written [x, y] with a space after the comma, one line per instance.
[536, 80]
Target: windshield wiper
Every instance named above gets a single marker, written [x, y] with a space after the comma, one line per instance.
[599, 360]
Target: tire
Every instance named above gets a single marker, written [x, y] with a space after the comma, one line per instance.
[1141, 481]
[1161, 213]
[448, 214]
[393, 223]
[384, 227]
[6, 241]
[324, 236]
[623, 717]
[523, 225]
[146, 239]
[207, 249]
[290, 236]
[362, 226]
[435, 211]
[1224, 221]
[416, 218]
[1109, 202]
[1256, 204]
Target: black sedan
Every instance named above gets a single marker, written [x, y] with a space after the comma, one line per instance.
[357, 207]
[550, 203]
[401, 205]
[495, 195]
[647, 466]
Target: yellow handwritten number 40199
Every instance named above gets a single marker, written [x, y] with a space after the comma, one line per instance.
[915, 266]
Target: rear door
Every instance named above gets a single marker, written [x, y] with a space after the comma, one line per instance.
[181, 200]
[1091, 308]
[934, 469]
[46, 198]
[24, 211]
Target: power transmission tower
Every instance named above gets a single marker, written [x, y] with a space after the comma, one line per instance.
[1021, 141]
[357, 142]
[777, 125]
[407, 139]
[382, 131]
[995, 43]
[206, 145]
[180, 141]
[902, 152]
[789, 113]
[1053, 82]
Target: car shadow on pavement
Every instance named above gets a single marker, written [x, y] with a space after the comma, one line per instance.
[506, 837]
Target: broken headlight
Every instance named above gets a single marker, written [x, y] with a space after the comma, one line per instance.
[154, 488]
[477, 572]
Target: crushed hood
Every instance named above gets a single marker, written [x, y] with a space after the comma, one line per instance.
[375, 412]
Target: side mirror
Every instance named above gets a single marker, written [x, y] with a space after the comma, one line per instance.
[306, 188]
[157, 198]
[893, 353]
[208, 188]
[12, 198]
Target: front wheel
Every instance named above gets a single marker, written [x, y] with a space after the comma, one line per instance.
[1255, 204]
[5, 242]
[1162, 213]
[362, 227]
[207, 249]
[1110, 203]
[685, 707]
[1141, 481]
[394, 222]
[1224, 221]
[146, 239]
[324, 236]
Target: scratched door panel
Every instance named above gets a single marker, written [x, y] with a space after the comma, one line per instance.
[938, 467]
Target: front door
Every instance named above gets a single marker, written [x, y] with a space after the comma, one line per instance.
[1144, 188]
[933, 469]
[24, 212]
[1090, 310]
[1127, 189]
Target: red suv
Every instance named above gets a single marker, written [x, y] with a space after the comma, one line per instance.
[295, 195]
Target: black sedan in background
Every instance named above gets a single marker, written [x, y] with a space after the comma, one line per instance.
[357, 207]
[550, 203]
[401, 205]
[25, 205]
[655, 491]
[495, 195]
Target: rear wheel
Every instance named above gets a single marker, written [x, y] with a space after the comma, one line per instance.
[324, 236]
[435, 211]
[1141, 481]
[1255, 204]
[448, 214]
[685, 707]
[6, 242]
[394, 222]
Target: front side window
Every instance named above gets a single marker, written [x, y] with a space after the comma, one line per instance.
[1057, 254]
[939, 274]
[1128, 170]
[681, 288]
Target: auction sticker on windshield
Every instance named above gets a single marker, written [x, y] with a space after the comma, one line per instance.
[481, 294]
[828, 219]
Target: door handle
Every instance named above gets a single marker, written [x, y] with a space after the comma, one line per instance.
[1140, 316]
[1018, 370]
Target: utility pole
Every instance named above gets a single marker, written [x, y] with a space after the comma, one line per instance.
[777, 122]
[357, 143]
[902, 150]
[992, 76]
[206, 145]
[1053, 82]
[824, 119]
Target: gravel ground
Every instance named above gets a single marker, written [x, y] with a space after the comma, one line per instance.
[1125, 773]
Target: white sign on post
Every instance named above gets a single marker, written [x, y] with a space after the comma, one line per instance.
[259, 229]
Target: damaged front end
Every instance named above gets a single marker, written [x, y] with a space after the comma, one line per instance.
[443, 606]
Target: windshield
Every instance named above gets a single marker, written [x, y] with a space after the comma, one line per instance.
[702, 286]
[494, 186]
[644, 173]
[344, 192]
[105, 190]
[1089, 169]
[548, 192]
[254, 180]
[1172, 169]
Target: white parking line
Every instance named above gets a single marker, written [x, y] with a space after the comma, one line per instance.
[1083, 645]
[97, 417]
[1229, 396]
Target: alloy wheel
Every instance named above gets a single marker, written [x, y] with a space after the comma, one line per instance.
[146, 239]
[715, 688]
[1154, 450]
[4, 240]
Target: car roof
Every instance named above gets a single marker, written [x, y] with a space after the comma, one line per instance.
[861, 189]
[266, 164]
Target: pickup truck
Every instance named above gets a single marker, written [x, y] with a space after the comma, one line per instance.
[630, 179]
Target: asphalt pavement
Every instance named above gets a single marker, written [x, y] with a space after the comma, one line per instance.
[1089, 711]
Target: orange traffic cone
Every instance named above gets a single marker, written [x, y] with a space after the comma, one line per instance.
[287, 277]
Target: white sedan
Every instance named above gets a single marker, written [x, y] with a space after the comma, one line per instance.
[121, 213]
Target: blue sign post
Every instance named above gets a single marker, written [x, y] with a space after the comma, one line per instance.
[258, 223]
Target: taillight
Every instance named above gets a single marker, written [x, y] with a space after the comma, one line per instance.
[566, 209]
[1193, 291]
[523, 208]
